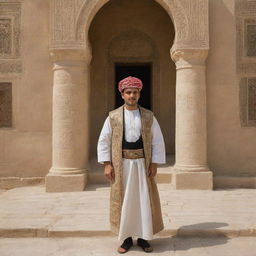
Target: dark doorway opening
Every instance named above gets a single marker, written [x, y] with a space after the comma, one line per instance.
[141, 71]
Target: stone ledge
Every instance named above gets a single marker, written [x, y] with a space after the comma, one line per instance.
[177, 232]
[234, 182]
[163, 176]
[13, 182]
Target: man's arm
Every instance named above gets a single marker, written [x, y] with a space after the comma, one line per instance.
[104, 150]
[104, 143]
[158, 148]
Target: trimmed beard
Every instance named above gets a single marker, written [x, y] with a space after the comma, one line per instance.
[129, 104]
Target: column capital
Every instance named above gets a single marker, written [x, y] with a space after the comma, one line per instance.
[188, 58]
[69, 54]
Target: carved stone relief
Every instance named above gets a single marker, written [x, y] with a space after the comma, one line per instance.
[250, 40]
[5, 104]
[10, 37]
[13, 66]
[64, 15]
[5, 37]
[247, 95]
[252, 100]
[70, 21]
[246, 36]
[245, 8]
[130, 44]
[245, 11]
[196, 13]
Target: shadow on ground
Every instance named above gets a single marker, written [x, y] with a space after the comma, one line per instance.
[205, 234]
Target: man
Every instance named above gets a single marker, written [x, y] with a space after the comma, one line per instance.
[130, 146]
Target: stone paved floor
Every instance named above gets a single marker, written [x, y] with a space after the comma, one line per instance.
[31, 212]
[99, 246]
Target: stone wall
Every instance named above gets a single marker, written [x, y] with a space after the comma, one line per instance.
[231, 136]
[25, 143]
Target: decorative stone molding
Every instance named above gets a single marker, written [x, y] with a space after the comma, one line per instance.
[187, 58]
[70, 55]
[191, 23]
[245, 8]
[245, 12]
[63, 21]
[68, 19]
[70, 22]
[10, 13]
[12, 66]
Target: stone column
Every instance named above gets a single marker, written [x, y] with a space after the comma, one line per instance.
[70, 121]
[190, 169]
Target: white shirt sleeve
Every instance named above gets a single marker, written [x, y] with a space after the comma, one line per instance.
[104, 142]
[158, 147]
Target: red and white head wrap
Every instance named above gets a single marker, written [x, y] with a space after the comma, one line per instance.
[130, 82]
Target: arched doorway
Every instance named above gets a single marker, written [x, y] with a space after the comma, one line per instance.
[71, 53]
[132, 37]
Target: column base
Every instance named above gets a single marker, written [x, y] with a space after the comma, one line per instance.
[65, 182]
[192, 179]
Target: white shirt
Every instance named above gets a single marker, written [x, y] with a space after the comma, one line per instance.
[132, 125]
[132, 134]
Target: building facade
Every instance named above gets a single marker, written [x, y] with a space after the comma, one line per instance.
[60, 61]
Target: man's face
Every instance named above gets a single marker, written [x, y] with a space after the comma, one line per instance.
[131, 96]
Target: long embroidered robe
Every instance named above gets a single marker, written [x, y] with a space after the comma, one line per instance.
[112, 134]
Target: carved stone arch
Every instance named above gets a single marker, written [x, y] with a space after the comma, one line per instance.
[174, 9]
[71, 20]
[87, 12]
[70, 51]
[179, 18]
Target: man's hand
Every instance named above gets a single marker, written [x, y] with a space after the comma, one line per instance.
[152, 170]
[109, 171]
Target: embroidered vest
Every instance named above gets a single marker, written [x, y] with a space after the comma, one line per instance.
[116, 121]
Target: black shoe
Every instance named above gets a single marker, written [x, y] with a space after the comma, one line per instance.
[144, 245]
[126, 245]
